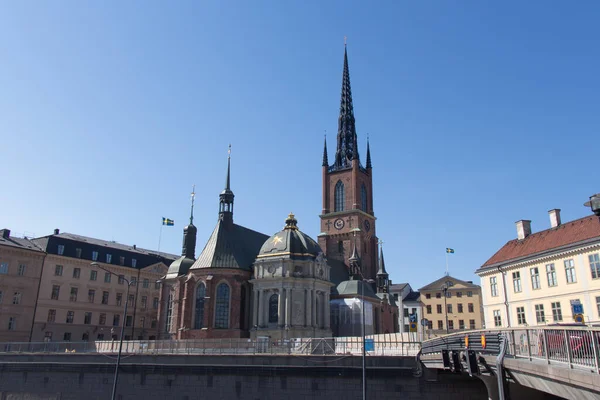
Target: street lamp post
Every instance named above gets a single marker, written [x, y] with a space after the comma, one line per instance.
[447, 285]
[129, 283]
[364, 346]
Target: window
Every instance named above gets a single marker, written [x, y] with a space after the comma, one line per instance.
[413, 311]
[12, 323]
[449, 308]
[472, 324]
[551, 274]
[121, 279]
[102, 319]
[3, 268]
[76, 273]
[440, 324]
[93, 275]
[470, 307]
[51, 315]
[341, 247]
[556, 312]
[222, 307]
[55, 292]
[58, 270]
[448, 293]
[597, 302]
[274, 308]
[516, 281]
[73, 296]
[428, 295]
[128, 320]
[155, 303]
[535, 278]
[47, 336]
[104, 297]
[450, 324]
[438, 295]
[94, 256]
[570, 271]
[406, 312]
[21, 270]
[340, 198]
[116, 319]
[429, 309]
[78, 253]
[460, 307]
[16, 298]
[429, 324]
[153, 324]
[461, 324]
[119, 298]
[497, 318]
[67, 337]
[469, 294]
[406, 328]
[121, 260]
[199, 311]
[70, 316]
[108, 258]
[91, 295]
[1, 296]
[458, 294]
[61, 249]
[363, 197]
[540, 316]
[87, 318]
[107, 277]
[143, 322]
[85, 337]
[131, 300]
[521, 316]
[133, 281]
[144, 302]
[169, 319]
[157, 285]
[439, 308]
[146, 283]
[494, 286]
[133, 262]
[595, 265]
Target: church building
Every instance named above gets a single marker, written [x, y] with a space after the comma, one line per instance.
[247, 284]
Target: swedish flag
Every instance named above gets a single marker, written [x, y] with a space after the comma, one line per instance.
[168, 222]
[449, 250]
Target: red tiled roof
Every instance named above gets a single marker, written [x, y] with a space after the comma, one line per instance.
[569, 233]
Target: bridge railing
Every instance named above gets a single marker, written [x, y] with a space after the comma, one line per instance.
[306, 346]
[576, 347]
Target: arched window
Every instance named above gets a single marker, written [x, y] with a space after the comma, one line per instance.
[169, 319]
[222, 307]
[200, 295]
[363, 197]
[340, 247]
[273, 308]
[340, 198]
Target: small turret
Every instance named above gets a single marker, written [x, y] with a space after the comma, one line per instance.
[383, 281]
[226, 197]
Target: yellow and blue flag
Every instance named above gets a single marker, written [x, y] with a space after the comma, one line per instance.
[449, 250]
[168, 222]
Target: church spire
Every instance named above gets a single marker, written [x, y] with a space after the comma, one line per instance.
[226, 197]
[325, 160]
[383, 282]
[347, 148]
[368, 154]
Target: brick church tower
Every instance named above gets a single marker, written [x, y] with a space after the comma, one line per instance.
[347, 218]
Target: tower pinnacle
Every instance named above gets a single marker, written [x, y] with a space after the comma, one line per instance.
[325, 160]
[226, 197]
[368, 154]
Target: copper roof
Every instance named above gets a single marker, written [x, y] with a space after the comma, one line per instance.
[570, 233]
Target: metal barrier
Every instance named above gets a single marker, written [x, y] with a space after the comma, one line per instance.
[298, 346]
[575, 347]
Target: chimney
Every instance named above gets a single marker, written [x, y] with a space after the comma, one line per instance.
[56, 231]
[523, 228]
[134, 247]
[554, 217]
[5, 233]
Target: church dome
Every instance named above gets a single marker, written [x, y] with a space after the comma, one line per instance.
[290, 243]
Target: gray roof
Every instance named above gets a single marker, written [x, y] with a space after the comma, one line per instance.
[290, 243]
[22, 243]
[437, 285]
[355, 288]
[179, 267]
[230, 246]
[412, 296]
[338, 272]
[398, 287]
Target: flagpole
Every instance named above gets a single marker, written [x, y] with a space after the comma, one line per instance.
[446, 262]
[159, 237]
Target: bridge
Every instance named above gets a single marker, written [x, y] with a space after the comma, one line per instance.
[533, 363]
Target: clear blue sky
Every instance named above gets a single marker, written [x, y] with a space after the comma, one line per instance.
[479, 115]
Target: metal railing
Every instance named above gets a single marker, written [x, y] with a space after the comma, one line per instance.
[574, 347]
[299, 346]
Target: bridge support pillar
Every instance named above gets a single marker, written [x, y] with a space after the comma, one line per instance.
[491, 384]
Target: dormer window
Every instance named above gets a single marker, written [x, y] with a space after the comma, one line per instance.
[61, 249]
[108, 258]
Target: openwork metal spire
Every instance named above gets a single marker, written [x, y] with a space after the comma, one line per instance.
[347, 148]
[368, 154]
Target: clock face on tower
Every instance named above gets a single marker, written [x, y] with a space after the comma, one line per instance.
[338, 224]
[367, 225]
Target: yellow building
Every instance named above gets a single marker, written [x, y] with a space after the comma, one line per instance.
[544, 277]
[453, 299]
[20, 270]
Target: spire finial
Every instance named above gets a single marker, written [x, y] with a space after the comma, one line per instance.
[345, 40]
[193, 197]
[325, 159]
[228, 168]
